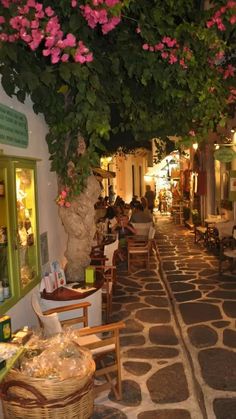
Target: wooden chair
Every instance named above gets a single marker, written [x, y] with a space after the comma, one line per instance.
[200, 233]
[109, 274]
[102, 341]
[139, 249]
[106, 265]
[178, 215]
[104, 254]
[142, 229]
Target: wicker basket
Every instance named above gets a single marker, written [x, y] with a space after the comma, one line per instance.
[28, 397]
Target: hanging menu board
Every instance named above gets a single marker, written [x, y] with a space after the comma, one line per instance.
[13, 127]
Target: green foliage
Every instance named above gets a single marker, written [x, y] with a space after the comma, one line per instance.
[149, 97]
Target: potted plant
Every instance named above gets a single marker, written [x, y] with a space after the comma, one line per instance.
[196, 219]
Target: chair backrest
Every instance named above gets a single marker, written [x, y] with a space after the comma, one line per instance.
[109, 250]
[214, 217]
[50, 323]
[142, 228]
[151, 233]
[225, 229]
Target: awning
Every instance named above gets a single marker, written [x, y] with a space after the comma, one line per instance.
[105, 174]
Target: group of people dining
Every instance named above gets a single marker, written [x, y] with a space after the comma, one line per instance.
[119, 218]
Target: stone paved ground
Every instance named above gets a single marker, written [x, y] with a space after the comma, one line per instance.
[179, 345]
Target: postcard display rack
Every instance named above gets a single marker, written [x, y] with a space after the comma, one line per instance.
[19, 249]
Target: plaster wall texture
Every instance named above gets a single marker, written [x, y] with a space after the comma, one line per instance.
[49, 220]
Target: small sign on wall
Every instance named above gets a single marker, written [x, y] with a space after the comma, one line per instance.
[232, 186]
[13, 127]
[44, 248]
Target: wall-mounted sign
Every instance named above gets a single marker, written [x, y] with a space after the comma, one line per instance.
[225, 154]
[232, 185]
[13, 127]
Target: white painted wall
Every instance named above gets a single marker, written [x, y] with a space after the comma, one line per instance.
[123, 184]
[49, 220]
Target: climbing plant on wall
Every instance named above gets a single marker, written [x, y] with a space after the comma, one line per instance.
[163, 68]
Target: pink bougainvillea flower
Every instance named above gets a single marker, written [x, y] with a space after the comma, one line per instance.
[73, 3]
[31, 3]
[23, 10]
[222, 9]
[70, 40]
[55, 58]
[65, 58]
[102, 16]
[3, 37]
[111, 3]
[159, 46]
[232, 19]
[110, 25]
[138, 30]
[34, 24]
[220, 55]
[49, 11]
[172, 59]
[38, 7]
[79, 58]
[67, 204]
[6, 3]
[164, 55]
[25, 37]
[2, 19]
[89, 58]
[168, 41]
[63, 194]
[209, 23]
[192, 133]
[232, 96]
[46, 52]
[230, 4]
[97, 2]
[50, 41]
[145, 47]
[182, 63]
[229, 72]
[12, 38]
[221, 27]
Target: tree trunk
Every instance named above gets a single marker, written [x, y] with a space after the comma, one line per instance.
[79, 224]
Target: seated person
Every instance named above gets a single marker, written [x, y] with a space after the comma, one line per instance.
[110, 219]
[144, 203]
[100, 203]
[140, 216]
[119, 206]
[124, 229]
[106, 201]
[133, 204]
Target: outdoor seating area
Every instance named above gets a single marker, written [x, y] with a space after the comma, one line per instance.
[121, 245]
[117, 209]
[219, 236]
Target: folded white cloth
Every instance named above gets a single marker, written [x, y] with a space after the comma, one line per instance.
[225, 229]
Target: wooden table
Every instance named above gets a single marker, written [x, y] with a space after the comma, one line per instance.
[64, 296]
